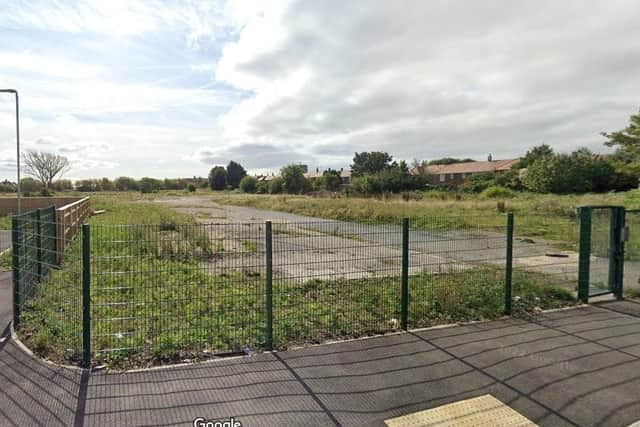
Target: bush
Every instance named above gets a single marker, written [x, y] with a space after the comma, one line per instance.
[262, 187]
[248, 184]
[479, 182]
[331, 180]
[495, 191]
[293, 180]
[191, 188]
[125, 183]
[218, 178]
[275, 185]
[149, 185]
[578, 172]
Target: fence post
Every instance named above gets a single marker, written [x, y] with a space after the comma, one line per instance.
[15, 258]
[584, 254]
[86, 296]
[38, 244]
[622, 219]
[404, 310]
[508, 271]
[269, 285]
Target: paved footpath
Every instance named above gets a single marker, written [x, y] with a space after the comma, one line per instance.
[578, 367]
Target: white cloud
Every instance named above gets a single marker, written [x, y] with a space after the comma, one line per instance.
[168, 88]
[119, 18]
[426, 79]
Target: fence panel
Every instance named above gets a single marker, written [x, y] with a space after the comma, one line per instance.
[177, 291]
[546, 256]
[47, 296]
[457, 269]
[335, 279]
[631, 284]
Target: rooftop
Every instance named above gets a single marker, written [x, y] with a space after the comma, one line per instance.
[473, 167]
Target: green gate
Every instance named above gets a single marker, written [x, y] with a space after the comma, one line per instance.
[601, 258]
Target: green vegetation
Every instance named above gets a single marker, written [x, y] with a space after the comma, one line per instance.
[293, 180]
[329, 181]
[248, 184]
[377, 173]
[235, 174]
[5, 222]
[551, 217]
[496, 191]
[6, 261]
[218, 178]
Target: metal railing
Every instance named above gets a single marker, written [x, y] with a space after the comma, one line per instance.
[187, 291]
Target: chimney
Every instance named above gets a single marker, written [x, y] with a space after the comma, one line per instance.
[490, 158]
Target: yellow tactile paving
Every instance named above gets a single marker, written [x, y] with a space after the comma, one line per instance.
[477, 412]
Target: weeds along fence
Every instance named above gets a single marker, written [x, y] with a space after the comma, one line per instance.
[138, 294]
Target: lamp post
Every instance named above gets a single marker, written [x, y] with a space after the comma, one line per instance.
[15, 92]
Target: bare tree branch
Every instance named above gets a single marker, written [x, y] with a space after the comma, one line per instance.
[45, 166]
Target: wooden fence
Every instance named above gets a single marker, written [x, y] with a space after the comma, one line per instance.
[70, 219]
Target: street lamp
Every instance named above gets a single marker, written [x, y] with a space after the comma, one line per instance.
[15, 92]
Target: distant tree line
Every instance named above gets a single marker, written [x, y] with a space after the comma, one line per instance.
[32, 186]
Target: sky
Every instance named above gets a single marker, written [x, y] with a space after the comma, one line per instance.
[172, 88]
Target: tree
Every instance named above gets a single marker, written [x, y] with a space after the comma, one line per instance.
[578, 172]
[149, 185]
[125, 183]
[275, 185]
[628, 137]
[370, 163]
[539, 152]
[235, 173]
[218, 178]
[331, 180]
[293, 179]
[45, 166]
[62, 185]
[7, 186]
[30, 185]
[107, 185]
[248, 184]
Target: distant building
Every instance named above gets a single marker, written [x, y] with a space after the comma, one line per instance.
[455, 174]
[345, 176]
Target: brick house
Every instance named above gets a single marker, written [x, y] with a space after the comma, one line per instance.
[455, 174]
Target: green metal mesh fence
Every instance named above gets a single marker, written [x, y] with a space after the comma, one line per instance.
[177, 288]
[548, 262]
[173, 292]
[47, 296]
[632, 254]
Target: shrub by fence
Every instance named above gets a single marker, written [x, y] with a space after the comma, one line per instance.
[158, 293]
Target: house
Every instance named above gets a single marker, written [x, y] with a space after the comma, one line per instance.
[455, 174]
[345, 176]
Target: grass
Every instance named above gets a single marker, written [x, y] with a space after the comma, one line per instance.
[157, 299]
[5, 222]
[5, 261]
